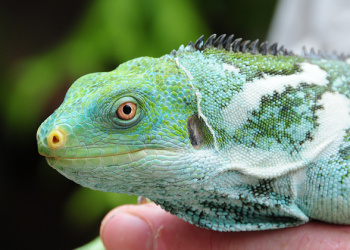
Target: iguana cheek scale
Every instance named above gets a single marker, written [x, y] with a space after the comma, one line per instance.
[227, 135]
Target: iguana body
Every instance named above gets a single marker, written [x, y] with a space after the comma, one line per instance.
[224, 135]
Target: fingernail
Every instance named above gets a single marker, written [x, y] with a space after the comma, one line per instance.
[123, 230]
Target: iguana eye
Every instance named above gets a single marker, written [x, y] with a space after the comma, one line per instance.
[126, 111]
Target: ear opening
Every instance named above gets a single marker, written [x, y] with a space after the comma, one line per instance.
[194, 132]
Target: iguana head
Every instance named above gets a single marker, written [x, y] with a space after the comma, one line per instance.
[128, 124]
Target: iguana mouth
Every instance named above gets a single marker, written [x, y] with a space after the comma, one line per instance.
[148, 151]
[109, 160]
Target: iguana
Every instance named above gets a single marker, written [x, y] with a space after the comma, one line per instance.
[226, 134]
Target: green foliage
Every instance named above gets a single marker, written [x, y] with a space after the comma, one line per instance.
[109, 32]
[95, 244]
[85, 206]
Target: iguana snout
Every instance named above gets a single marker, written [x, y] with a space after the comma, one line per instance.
[51, 139]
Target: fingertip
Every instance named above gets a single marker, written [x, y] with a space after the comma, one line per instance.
[148, 226]
[123, 230]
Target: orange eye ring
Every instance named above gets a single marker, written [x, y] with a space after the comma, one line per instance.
[127, 111]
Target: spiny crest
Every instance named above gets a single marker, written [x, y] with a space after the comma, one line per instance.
[238, 45]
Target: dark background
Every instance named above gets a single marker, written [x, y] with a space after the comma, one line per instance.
[45, 46]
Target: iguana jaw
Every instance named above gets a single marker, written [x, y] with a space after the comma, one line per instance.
[108, 160]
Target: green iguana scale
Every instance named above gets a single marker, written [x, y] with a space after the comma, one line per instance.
[225, 134]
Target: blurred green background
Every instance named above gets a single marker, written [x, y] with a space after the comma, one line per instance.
[45, 47]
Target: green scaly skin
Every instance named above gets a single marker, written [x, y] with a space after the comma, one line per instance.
[225, 140]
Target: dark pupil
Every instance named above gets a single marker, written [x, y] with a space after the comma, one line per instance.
[127, 109]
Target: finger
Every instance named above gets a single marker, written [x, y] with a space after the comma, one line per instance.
[149, 227]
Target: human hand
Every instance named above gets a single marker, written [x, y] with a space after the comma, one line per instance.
[148, 226]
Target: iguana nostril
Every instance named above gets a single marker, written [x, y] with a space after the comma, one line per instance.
[56, 139]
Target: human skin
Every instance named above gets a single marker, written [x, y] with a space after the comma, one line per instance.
[147, 226]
